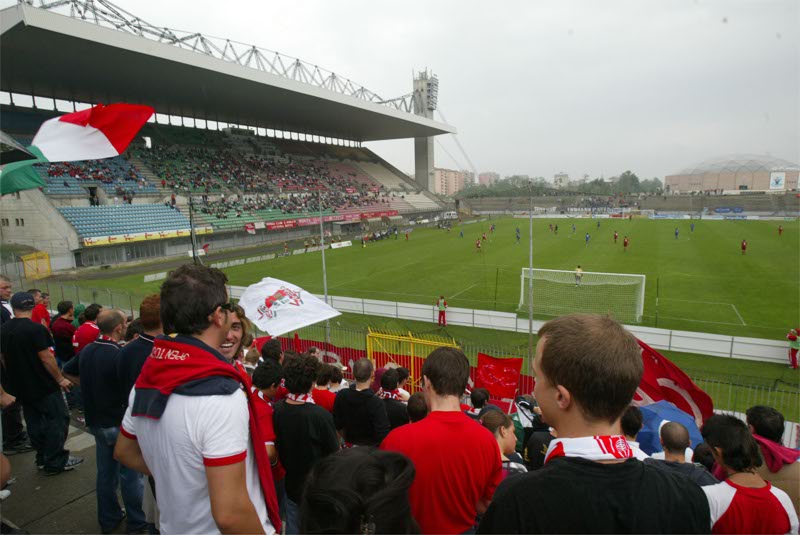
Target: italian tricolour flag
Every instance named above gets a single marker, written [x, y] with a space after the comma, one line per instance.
[93, 134]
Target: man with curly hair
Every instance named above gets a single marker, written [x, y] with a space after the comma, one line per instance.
[305, 432]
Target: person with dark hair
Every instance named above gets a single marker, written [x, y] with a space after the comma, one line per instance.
[88, 331]
[631, 423]
[31, 375]
[189, 422]
[40, 313]
[322, 395]
[457, 460]
[63, 331]
[744, 502]
[402, 381]
[337, 379]
[359, 490]
[134, 330]
[674, 440]
[417, 408]
[133, 355]
[396, 410]
[479, 398]
[272, 350]
[6, 291]
[587, 369]
[305, 432]
[704, 456]
[95, 369]
[360, 416]
[781, 467]
[502, 427]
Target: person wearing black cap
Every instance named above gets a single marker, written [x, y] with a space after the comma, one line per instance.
[36, 381]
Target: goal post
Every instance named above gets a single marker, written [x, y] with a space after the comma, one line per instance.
[557, 292]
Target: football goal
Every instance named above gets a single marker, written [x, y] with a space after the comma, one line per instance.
[557, 292]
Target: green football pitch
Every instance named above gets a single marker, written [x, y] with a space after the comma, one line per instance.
[697, 282]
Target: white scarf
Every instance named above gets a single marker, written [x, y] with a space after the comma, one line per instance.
[599, 448]
[301, 398]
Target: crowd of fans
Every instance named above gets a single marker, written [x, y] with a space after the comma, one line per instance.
[202, 431]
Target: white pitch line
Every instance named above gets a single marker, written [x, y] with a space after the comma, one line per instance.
[462, 291]
[737, 313]
[692, 301]
[700, 321]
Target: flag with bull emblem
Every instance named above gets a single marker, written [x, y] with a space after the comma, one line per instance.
[277, 307]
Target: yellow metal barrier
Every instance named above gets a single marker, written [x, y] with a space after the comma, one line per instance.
[36, 265]
[404, 349]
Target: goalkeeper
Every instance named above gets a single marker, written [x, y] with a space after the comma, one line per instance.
[578, 275]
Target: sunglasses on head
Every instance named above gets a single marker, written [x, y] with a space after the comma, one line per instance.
[225, 306]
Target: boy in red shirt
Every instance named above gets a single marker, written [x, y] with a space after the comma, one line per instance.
[40, 313]
[88, 331]
[457, 460]
[322, 396]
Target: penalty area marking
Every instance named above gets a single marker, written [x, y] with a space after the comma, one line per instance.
[464, 290]
[735, 310]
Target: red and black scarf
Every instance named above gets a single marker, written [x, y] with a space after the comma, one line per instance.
[187, 366]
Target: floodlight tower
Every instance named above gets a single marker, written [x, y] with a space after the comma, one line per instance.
[426, 94]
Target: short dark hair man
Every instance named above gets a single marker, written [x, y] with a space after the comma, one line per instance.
[34, 378]
[272, 350]
[188, 421]
[457, 459]
[587, 370]
[6, 291]
[417, 409]
[631, 423]
[88, 331]
[298, 421]
[766, 425]
[63, 331]
[674, 441]
[360, 415]
[133, 355]
[396, 410]
[95, 369]
[40, 313]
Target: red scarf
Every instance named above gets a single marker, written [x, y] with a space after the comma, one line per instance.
[187, 366]
[301, 398]
[599, 448]
[389, 394]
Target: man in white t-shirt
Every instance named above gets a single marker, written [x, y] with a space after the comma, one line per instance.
[187, 425]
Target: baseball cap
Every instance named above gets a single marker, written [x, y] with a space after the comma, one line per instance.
[23, 301]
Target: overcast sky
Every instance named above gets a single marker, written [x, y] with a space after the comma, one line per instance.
[533, 87]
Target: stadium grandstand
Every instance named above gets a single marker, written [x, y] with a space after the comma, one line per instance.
[733, 174]
[285, 151]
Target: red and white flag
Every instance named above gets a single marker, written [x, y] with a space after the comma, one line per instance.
[663, 380]
[250, 228]
[499, 376]
[277, 307]
[93, 134]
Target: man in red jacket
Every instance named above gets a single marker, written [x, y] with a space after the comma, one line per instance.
[88, 331]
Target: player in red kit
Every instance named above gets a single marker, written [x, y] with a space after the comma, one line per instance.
[406, 235]
[484, 236]
[624, 244]
[478, 246]
[615, 236]
[780, 230]
[744, 247]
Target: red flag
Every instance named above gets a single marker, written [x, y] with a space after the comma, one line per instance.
[499, 376]
[250, 228]
[297, 346]
[205, 247]
[662, 380]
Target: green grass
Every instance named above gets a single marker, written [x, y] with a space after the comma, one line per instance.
[699, 282]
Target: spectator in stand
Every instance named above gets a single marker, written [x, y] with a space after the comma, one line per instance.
[587, 370]
[95, 369]
[80, 319]
[63, 331]
[267, 379]
[631, 423]
[322, 394]
[457, 461]
[272, 350]
[337, 379]
[133, 355]
[502, 427]
[688, 453]
[134, 330]
[402, 382]
[704, 456]
[305, 432]
[417, 408]
[88, 331]
[34, 378]
[744, 502]
[781, 464]
[359, 490]
[6, 291]
[396, 410]
[40, 313]
[479, 398]
[360, 415]
[188, 423]
[675, 439]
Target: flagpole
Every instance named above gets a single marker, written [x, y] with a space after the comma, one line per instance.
[530, 274]
[192, 233]
[324, 270]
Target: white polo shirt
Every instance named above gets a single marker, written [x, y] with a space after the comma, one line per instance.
[195, 432]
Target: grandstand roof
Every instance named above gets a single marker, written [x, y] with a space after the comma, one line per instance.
[51, 55]
[740, 163]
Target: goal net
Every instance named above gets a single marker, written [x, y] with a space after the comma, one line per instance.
[558, 292]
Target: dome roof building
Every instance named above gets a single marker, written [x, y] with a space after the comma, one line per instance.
[742, 172]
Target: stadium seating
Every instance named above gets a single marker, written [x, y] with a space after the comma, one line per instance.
[110, 220]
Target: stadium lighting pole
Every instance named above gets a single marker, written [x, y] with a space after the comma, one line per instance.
[192, 232]
[530, 273]
[324, 269]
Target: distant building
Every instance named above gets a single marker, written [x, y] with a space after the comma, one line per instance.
[740, 172]
[488, 177]
[448, 181]
[561, 180]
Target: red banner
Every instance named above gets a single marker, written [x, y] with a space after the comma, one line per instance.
[280, 225]
[499, 376]
[250, 228]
